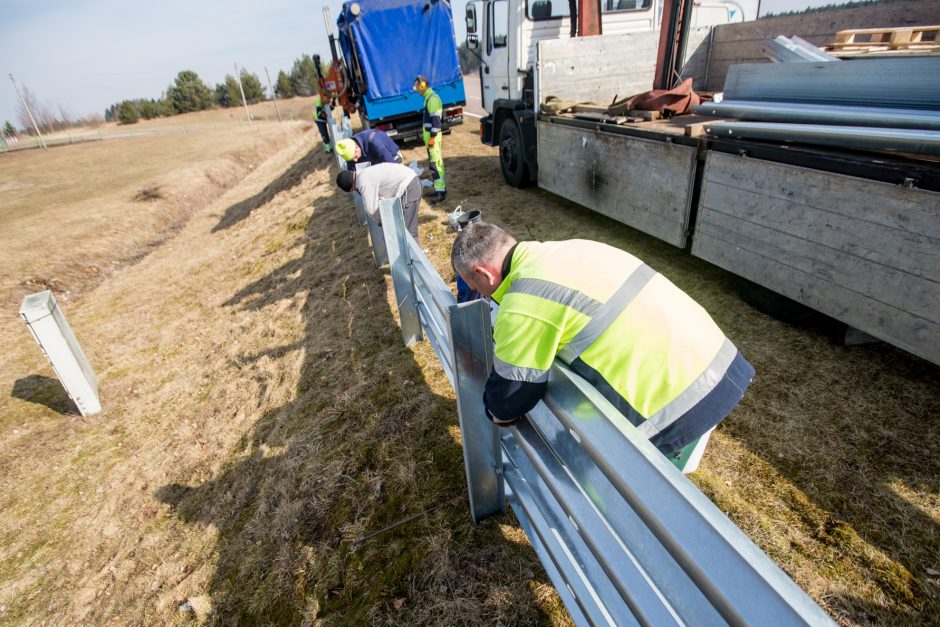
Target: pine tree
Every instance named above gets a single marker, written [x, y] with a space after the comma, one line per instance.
[127, 113]
[189, 93]
[303, 77]
[222, 91]
[165, 105]
[283, 87]
[254, 90]
[148, 109]
[8, 129]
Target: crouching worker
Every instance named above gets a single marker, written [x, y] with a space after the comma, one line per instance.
[368, 147]
[646, 346]
[382, 181]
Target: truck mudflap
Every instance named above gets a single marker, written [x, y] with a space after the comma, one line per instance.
[486, 130]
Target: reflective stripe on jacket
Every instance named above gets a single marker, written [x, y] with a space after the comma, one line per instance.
[648, 347]
[432, 112]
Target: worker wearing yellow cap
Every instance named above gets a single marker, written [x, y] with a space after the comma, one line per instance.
[367, 148]
[433, 110]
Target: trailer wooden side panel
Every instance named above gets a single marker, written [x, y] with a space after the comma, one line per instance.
[643, 183]
[864, 252]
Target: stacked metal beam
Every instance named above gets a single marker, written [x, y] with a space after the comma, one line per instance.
[794, 50]
[840, 115]
[894, 104]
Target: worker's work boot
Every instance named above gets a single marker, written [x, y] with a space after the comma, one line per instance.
[438, 197]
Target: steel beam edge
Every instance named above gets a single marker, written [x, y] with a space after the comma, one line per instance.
[393, 225]
[471, 337]
[740, 581]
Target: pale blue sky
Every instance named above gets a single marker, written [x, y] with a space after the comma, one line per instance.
[83, 55]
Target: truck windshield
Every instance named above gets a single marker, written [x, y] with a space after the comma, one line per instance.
[556, 9]
[612, 6]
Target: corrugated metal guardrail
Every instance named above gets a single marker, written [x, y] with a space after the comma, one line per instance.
[624, 536]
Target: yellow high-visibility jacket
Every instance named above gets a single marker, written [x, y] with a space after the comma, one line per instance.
[648, 347]
[432, 112]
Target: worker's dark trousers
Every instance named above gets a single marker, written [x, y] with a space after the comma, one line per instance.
[409, 205]
[324, 133]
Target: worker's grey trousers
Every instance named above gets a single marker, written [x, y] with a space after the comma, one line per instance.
[409, 205]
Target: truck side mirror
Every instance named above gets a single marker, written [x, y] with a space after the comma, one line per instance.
[473, 41]
[471, 19]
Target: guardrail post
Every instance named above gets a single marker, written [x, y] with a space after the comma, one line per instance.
[396, 244]
[376, 236]
[360, 209]
[471, 337]
[335, 133]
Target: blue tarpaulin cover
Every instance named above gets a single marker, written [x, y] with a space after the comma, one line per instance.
[396, 40]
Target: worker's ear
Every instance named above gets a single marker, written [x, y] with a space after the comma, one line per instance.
[486, 275]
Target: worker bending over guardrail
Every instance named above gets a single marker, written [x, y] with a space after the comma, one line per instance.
[648, 347]
[366, 148]
[382, 181]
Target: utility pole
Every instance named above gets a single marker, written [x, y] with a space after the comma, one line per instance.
[273, 95]
[29, 113]
[238, 77]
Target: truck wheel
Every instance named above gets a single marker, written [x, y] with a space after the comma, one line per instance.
[511, 152]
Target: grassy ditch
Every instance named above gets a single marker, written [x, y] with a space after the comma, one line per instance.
[270, 453]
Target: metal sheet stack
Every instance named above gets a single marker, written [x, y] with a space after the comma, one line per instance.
[793, 50]
[881, 104]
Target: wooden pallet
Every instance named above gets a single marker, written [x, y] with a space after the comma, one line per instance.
[905, 38]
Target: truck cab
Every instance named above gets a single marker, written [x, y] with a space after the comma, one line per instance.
[505, 34]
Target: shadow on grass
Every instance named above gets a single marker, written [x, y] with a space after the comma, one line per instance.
[43, 390]
[363, 446]
[290, 178]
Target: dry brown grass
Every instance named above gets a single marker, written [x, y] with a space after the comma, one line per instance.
[298, 109]
[262, 418]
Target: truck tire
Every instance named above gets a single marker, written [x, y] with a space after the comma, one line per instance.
[511, 154]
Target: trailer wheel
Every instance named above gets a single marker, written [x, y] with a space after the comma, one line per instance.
[511, 152]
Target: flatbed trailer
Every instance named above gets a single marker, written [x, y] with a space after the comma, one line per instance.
[852, 235]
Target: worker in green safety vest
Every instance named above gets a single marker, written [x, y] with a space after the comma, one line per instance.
[646, 346]
[319, 117]
[433, 111]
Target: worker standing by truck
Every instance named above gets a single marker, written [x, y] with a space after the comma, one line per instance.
[647, 347]
[368, 147]
[319, 117]
[432, 136]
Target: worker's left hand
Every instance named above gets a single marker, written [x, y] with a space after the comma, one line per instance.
[431, 143]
